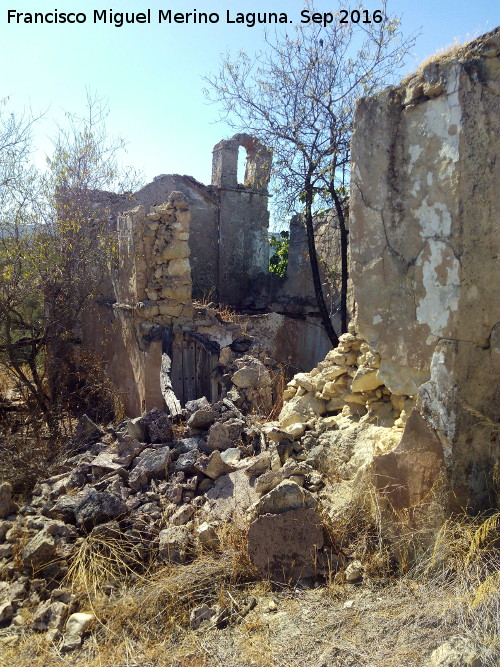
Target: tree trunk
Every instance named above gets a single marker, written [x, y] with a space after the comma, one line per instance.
[313, 258]
[344, 267]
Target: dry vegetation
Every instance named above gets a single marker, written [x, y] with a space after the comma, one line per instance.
[391, 618]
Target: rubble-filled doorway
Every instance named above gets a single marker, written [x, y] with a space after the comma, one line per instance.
[194, 362]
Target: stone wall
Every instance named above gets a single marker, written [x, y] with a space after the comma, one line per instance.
[422, 356]
[424, 248]
[243, 217]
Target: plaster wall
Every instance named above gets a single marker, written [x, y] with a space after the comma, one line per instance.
[424, 249]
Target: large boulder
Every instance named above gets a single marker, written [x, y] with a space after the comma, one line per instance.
[285, 546]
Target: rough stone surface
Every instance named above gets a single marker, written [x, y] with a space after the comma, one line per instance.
[96, 507]
[158, 425]
[151, 463]
[213, 466]
[456, 652]
[174, 544]
[50, 615]
[285, 546]
[7, 506]
[223, 435]
[285, 496]
[230, 497]
[202, 419]
[412, 470]
[424, 248]
[40, 550]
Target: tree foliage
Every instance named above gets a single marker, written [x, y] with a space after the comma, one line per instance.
[298, 96]
[54, 248]
[278, 262]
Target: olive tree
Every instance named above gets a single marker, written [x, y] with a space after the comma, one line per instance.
[298, 96]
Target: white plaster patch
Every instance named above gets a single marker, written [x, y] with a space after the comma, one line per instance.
[438, 396]
[415, 152]
[441, 297]
[440, 114]
[435, 220]
[430, 178]
[377, 319]
[416, 188]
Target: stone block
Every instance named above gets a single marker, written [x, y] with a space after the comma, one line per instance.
[39, 551]
[285, 546]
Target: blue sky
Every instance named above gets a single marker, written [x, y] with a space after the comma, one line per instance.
[151, 74]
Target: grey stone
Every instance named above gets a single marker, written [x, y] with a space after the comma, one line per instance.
[40, 550]
[96, 507]
[456, 652]
[187, 462]
[230, 497]
[202, 418]
[198, 404]
[285, 546]
[223, 435]
[231, 456]
[199, 615]
[213, 466]
[136, 428]
[251, 374]
[151, 463]
[259, 465]
[286, 496]
[174, 544]
[158, 425]
[50, 615]
[64, 508]
[182, 515]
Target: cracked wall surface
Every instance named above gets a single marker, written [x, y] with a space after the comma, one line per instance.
[424, 248]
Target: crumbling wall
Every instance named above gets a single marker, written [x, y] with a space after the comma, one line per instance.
[204, 207]
[421, 357]
[424, 249]
[152, 294]
[243, 217]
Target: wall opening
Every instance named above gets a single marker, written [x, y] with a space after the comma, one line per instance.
[194, 363]
[242, 165]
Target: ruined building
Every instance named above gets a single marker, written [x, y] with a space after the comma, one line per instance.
[422, 357]
[207, 243]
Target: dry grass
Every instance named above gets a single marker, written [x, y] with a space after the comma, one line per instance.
[389, 619]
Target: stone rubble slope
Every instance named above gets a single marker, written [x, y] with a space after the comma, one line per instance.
[162, 497]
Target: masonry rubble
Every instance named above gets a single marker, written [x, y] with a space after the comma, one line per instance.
[158, 495]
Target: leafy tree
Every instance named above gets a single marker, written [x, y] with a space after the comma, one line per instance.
[298, 96]
[54, 249]
[279, 260]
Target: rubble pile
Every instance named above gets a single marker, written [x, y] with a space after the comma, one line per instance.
[161, 490]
